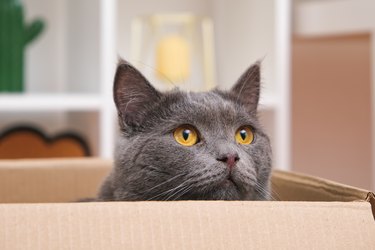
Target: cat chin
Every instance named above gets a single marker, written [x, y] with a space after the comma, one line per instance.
[224, 190]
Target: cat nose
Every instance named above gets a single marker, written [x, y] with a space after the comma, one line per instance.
[229, 159]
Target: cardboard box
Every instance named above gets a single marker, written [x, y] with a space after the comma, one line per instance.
[36, 212]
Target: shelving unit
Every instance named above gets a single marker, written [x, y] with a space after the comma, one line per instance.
[69, 73]
[86, 36]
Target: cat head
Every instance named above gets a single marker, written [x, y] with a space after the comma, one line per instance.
[183, 145]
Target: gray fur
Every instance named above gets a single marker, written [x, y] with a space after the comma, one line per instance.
[151, 165]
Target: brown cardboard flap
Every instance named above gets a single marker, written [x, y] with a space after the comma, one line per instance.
[371, 198]
[187, 225]
[290, 186]
[51, 180]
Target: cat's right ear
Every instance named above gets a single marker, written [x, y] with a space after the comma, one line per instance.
[247, 88]
[133, 94]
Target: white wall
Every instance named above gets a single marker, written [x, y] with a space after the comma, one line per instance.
[244, 34]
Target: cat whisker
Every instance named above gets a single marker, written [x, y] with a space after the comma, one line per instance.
[180, 192]
[178, 189]
[184, 192]
[169, 190]
[165, 182]
[275, 192]
[267, 192]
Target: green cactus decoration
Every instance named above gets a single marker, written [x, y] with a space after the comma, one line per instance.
[14, 36]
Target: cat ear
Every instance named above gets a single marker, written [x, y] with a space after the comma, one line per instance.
[133, 94]
[247, 88]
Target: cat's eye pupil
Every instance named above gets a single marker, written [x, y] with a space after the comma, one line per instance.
[185, 134]
[243, 134]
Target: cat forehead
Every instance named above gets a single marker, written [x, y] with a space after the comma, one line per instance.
[208, 99]
[204, 102]
[205, 108]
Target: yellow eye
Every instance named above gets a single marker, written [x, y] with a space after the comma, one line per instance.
[244, 135]
[186, 135]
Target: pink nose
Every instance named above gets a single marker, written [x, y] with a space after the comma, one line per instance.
[229, 159]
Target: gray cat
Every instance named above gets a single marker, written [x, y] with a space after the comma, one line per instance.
[188, 146]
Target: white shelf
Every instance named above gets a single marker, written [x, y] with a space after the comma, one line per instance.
[50, 102]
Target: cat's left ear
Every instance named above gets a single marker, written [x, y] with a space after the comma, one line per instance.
[133, 94]
[247, 88]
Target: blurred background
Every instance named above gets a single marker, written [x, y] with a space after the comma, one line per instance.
[57, 61]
